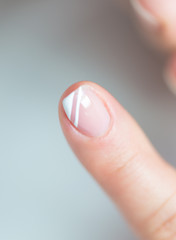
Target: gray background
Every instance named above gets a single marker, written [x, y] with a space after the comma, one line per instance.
[44, 47]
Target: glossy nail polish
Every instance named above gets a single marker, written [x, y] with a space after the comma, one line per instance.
[87, 111]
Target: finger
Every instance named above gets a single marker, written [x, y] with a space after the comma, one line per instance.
[170, 74]
[157, 20]
[115, 151]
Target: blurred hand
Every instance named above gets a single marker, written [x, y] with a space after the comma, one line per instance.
[113, 148]
[156, 20]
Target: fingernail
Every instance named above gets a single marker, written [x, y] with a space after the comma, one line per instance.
[170, 76]
[87, 112]
[144, 15]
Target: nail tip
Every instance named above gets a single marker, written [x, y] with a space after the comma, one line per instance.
[86, 111]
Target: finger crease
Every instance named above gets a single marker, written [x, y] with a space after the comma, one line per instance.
[119, 169]
[159, 209]
[164, 224]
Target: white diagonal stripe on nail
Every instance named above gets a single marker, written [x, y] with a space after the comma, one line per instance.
[78, 106]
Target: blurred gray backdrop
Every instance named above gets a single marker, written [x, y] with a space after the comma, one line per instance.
[44, 47]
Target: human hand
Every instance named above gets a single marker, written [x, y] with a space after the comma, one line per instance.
[156, 20]
[113, 148]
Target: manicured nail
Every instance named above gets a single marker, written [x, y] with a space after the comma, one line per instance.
[170, 75]
[87, 111]
[146, 17]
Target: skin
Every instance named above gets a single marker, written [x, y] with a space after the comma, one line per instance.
[159, 31]
[128, 168]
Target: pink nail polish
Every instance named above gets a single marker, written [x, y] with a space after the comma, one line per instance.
[87, 112]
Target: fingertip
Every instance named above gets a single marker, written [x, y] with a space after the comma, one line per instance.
[156, 19]
[85, 108]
